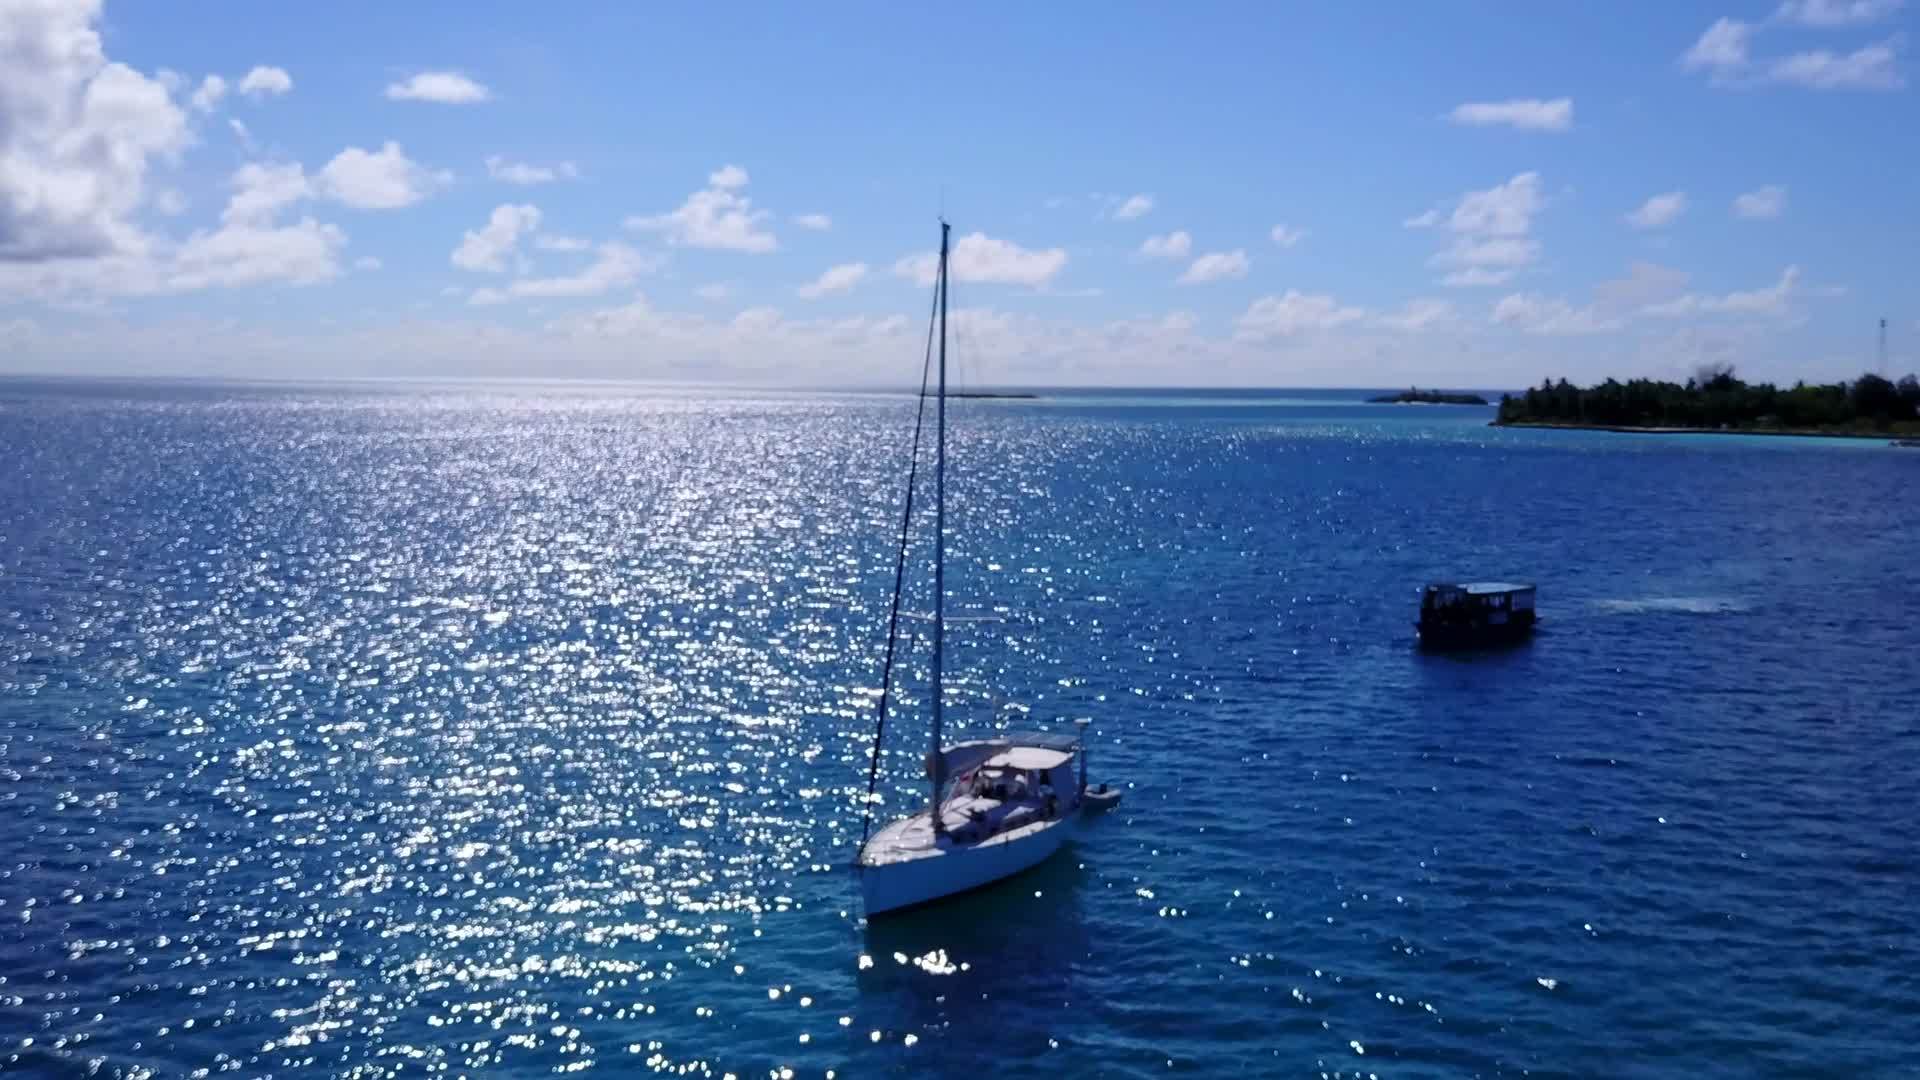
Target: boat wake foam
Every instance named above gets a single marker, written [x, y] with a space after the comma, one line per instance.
[1685, 605]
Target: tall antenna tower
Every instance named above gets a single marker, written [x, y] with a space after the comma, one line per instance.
[1881, 369]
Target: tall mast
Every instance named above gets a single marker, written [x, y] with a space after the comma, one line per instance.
[938, 770]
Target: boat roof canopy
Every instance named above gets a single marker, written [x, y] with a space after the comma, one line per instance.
[1045, 739]
[1028, 757]
[1484, 588]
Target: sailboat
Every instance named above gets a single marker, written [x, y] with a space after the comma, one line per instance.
[996, 806]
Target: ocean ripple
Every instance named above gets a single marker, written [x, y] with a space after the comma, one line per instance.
[383, 730]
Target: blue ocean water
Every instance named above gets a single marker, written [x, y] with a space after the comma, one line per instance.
[511, 729]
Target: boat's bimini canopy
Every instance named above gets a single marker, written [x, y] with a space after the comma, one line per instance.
[1031, 758]
[1058, 749]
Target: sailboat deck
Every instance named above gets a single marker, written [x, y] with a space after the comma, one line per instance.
[912, 838]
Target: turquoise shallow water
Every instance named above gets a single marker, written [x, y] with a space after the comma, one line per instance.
[388, 730]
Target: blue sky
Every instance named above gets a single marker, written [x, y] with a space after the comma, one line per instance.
[1230, 194]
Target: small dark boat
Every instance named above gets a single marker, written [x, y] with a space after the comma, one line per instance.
[1474, 614]
[1100, 798]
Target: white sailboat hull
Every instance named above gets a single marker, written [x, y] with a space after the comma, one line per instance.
[946, 871]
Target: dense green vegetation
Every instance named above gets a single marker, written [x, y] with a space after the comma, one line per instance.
[1715, 399]
[1417, 396]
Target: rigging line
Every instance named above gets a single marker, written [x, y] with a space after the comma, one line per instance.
[899, 579]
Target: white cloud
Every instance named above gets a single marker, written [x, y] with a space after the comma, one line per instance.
[1536, 314]
[837, 279]
[519, 172]
[381, 180]
[1491, 232]
[1768, 201]
[1293, 313]
[983, 259]
[1645, 288]
[1482, 252]
[1772, 300]
[1868, 68]
[240, 131]
[366, 262]
[170, 202]
[77, 134]
[714, 293]
[628, 337]
[1644, 284]
[1421, 313]
[1174, 245]
[305, 253]
[717, 217]
[1832, 13]
[617, 265]
[758, 341]
[265, 82]
[552, 242]
[1216, 266]
[212, 89]
[261, 191]
[816, 222]
[443, 87]
[609, 343]
[1503, 210]
[1722, 50]
[624, 336]
[1659, 211]
[1287, 237]
[1476, 276]
[1137, 206]
[249, 248]
[488, 250]
[1523, 114]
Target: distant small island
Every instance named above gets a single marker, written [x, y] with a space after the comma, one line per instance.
[1715, 400]
[1417, 396]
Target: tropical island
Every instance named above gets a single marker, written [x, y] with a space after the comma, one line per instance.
[1715, 399]
[1417, 396]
